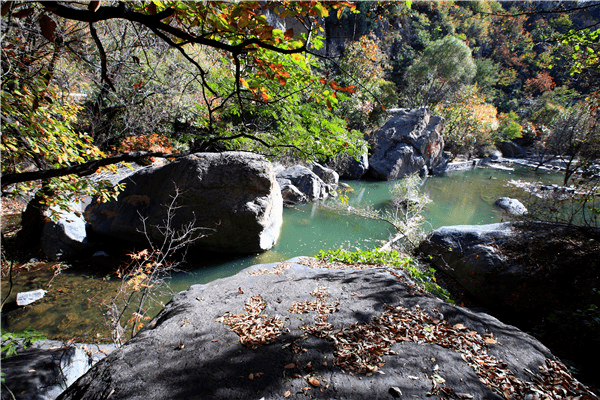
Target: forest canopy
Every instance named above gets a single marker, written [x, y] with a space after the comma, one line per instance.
[88, 84]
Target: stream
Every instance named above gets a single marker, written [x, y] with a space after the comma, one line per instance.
[73, 306]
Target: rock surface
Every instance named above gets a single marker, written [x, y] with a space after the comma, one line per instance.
[327, 175]
[233, 195]
[66, 236]
[46, 368]
[538, 276]
[285, 347]
[349, 168]
[300, 179]
[511, 206]
[410, 140]
[493, 263]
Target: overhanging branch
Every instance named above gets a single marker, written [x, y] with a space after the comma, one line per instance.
[84, 169]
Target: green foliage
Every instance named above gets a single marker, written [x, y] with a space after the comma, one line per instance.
[392, 258]
[11, 340]
[363, 67]
[487, 77]
[585, 49]
[444, 66]
[38, 131]
[509, 127]
[470, 121]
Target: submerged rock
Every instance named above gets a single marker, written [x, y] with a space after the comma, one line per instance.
[232, 197]
[26, 298]
[296, 329]
[511, 206]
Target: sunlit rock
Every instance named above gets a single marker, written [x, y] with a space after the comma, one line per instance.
[232, 197]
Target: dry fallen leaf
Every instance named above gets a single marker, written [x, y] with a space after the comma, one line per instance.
[290, 366]
[287, 394]
[313, 381]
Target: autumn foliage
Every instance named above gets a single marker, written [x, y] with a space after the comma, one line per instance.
[540, 84]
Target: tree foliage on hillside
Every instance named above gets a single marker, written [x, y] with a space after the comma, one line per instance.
[252, 75]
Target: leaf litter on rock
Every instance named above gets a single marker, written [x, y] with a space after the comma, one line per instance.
[360, 348]
[254, 328]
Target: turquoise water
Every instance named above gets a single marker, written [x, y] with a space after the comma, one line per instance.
[458, 198]
[74, 305]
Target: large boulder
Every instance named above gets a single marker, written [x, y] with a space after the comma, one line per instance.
[511, 150]
[542, 277]
[44, 369]
[232, 196]
[350, 168]
[327, 175]
[410, 140]
[64, 233]
[304, 181]
[519, 266]
[300, 330]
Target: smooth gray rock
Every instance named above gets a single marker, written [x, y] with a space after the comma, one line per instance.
[46, 368]
[327, 175]
[187, 352]
[66, 236]
[410, 140]
[292, 195]
[350, 168]
[539, 276]
[491, 262]
[305, 180]
[511, 206]
[232, 196]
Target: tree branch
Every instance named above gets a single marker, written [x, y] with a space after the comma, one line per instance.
[154, 22]
[103, 64]
[84, 169]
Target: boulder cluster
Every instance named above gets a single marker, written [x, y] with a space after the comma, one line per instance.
[233, 201]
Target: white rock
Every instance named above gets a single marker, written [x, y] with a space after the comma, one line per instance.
[25, 298]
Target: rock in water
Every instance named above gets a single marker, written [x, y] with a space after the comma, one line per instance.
[511, 206]
[305, 181]
[410, 140]
[234, 195]
[266, 333]
[66, 236]
[26, 298]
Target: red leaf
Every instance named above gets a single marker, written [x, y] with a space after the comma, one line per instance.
[264, 96]
[151, 9]
[48, 27]
[288, 34]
